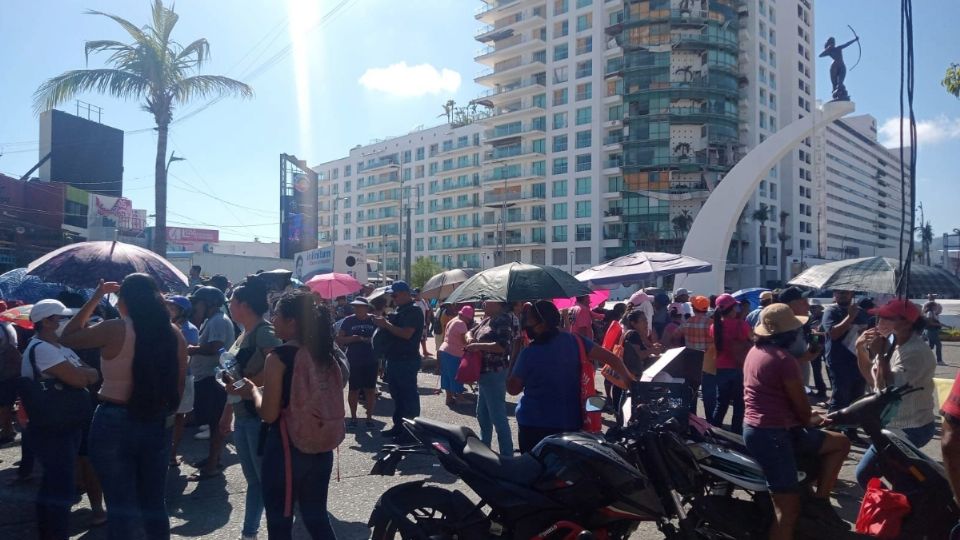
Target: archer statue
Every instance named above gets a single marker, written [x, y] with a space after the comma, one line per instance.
[838, 70]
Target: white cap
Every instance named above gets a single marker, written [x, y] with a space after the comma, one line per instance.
[638, 298]
[48, 308]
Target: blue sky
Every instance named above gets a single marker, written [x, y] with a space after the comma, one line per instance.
[339, 87]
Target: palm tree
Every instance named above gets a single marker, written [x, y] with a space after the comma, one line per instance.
[783, 237]
[153, 68]
[681, 223]
[926, 240]
[762, 214]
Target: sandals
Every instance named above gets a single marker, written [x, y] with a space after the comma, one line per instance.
[204, 475]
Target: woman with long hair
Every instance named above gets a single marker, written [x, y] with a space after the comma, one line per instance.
[493, 339]
[731, 337]
[144, 362]
[303, 326]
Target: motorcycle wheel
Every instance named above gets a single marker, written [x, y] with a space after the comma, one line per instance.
[431, 510]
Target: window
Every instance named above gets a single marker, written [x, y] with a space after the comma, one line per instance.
[538, 235]
[584, 22]
[418, 171]
[584, 115]
[583, 186]
[583, 3]
[560, 211]
[419, 153]
[584, 139]
[582, 255]
[560, 7]
[538, 168]
[560, 52]
[560, 165]
[584, 232]
[539, 123]
[561, 29]
[559, 256]
[559, 188]
[584, 45]
[583, 163]
[407, 154]
[584, 91]
[560, 97]
[560, 143]
[539, 100]
[763, 120]
[560, 75]
[346, 234]
[583, 209]
[539, 146]
[584, 69]
[559, 120]
[347, 183]
[559, 233]
[347, 170]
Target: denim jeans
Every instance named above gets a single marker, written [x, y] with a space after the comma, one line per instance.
[402, 380]
[729, 392]
[131, 459]
[311, 482]
[817, 366]
[933, 339]
[492, 410]
[57, 452]
[848, 385]
[869, 466]
[708, 388]
[246, 437]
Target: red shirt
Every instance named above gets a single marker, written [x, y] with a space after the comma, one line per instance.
[766, 404]
[736, 341]
[952, 405]
[612, 337]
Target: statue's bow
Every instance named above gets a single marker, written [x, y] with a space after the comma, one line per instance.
[859, 49]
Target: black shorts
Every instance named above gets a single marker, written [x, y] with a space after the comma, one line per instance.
[209, 400]
[8, 392]
[363, 374]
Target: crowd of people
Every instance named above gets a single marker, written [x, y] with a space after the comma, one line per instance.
[248, 363]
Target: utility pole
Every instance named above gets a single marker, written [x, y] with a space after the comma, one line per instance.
[408, 263]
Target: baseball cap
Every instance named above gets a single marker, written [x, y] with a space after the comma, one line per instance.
[725, 301]
[700, 303]
[48, 308]
[766, 295]
[360, 301]
[467, 311]
[680, 292]
[792, 293]
[398, 286]
[638, 298]
[777, 319]
[181, 302]
[895, 308]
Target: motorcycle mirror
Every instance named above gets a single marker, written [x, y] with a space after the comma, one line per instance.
[595, 403]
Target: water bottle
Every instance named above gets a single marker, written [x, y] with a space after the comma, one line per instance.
[228, 366]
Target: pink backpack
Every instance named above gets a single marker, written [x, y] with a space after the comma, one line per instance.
[315, 416]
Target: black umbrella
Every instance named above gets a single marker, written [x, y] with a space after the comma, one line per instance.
[878, 275]
[84, 264]
[516, 282]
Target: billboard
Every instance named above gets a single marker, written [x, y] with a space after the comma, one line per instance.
[186, 239]
[344, 259]
[83, 153]
[298, 206]
[115, 212]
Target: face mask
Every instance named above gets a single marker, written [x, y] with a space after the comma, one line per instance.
[885, 327]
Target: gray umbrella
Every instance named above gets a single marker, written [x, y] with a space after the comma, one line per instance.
[515, 282]
[878, 275]
[641, 266]
[441, 285]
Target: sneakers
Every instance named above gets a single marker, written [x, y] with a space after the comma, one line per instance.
[203, 434]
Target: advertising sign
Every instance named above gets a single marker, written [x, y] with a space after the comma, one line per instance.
[183, 239]
[298, 206]
[344, 259]
[116, 212]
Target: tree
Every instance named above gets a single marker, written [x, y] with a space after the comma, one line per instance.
[762, 215]
[951, 80]
[681, 223]
[448, 109]
[154, 69]
[783, 237]
[422, 270]
[926, 240]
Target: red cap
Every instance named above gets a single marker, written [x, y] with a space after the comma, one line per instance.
[898, 308]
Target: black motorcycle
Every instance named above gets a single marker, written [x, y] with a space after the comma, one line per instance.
[571, 486]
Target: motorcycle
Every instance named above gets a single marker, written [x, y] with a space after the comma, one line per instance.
[933, 511]
[570, 486]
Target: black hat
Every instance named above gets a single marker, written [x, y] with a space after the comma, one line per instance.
[792, 293]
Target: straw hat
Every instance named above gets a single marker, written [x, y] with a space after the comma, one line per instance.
[777, 319]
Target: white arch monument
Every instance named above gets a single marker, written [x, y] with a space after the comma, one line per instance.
[711, 232]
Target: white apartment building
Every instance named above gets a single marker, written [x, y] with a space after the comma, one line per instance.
[857, 211]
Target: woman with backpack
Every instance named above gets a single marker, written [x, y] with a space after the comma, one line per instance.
[302, 401]
[144, 363]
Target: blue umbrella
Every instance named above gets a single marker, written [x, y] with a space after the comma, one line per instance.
[752, 295]
[17, 285]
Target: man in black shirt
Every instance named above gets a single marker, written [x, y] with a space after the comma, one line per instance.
[404, 329]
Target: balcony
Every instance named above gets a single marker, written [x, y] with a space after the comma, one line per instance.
[501, 197]
[505, 26]
[515, 129]
[506, 152]
[515, 89]
[451, 187]
[612, 166]
[515, 111]
[514, 173]
[454, 246]
[381, 179]
[613, 142]
[502, 74]
[439, 208]
[470, 164]
[380, 217]
[514, 240]
[515, 218]
[382, 163]
[453, 149]
[492, 9]
[382, 199]
[517, 44]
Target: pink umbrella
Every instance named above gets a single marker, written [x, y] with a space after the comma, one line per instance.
[597, 298]
[330, 286]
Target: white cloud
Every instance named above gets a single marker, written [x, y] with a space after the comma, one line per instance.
[402, 80]
[928, 131]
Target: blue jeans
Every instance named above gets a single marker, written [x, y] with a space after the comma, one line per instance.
[131, 459]
[708, 388]
[492, 410]
[729, 392]
[933, 339]
[448, 373]
[777, 449]
[246, 437]
[311, 482]
[848, 384]
[402, 380]
[57, 452]
[869, 466]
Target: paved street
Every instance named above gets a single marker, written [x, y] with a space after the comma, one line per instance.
[214, 508]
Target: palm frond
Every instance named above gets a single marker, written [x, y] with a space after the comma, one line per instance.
[208, 85]
[65, 86]
[102, 45]
[199, 50]
[164, 19]
[131, 28]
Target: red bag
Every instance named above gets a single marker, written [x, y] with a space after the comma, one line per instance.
[882, 511]
[588, 388]
[469, 370]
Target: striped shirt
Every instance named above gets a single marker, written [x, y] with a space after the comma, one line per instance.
[696, 332]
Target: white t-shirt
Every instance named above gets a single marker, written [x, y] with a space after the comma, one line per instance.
[47, 355]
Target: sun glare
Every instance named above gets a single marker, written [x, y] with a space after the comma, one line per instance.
[307, 57]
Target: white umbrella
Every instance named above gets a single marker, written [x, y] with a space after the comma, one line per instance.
[441, 285]
[642, 265]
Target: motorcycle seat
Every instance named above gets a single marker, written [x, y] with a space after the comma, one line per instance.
[457, 435]
[523, 470]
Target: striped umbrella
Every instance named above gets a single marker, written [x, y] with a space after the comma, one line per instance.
[878, 275]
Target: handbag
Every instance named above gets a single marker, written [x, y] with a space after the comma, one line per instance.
[882, 511]
[469, 370]
[50, 403]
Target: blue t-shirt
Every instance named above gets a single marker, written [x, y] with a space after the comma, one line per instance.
[838, 356]
[190, 333]
[551, 383]
[361, 351]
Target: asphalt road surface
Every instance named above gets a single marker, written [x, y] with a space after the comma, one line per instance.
[213, 508]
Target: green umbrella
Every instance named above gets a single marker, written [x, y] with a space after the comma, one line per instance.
[516, 282]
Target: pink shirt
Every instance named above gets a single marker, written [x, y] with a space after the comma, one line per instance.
[736, 342]
[454, 337]
[582, 321]
[765, 373]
